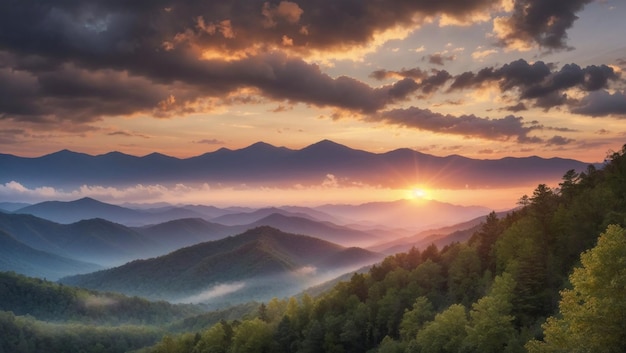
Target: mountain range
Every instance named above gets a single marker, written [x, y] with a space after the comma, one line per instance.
[267, 165]
[260, 263]
[407, 216]
[18, 257]
[95, 240]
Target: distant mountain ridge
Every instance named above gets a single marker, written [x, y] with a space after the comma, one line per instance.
[266, 259]
[87, 208]
[264, 164]
[94, 240]
[20, 258]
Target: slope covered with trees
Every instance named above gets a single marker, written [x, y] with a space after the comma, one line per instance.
[491, 294]
[258, 263]
[42, 316]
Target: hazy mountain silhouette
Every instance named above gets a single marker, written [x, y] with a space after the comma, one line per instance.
[21, 258]
[184, 232]
[12, 206]
[87, 208]
[253, 216]
[411, 214]
[74, 211]
[94, 240]
[459, 232]
[265, 164]
[321, 230]
[257, 264]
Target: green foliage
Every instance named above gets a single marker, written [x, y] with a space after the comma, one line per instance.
[464, 273]
[446, 333]
[26, 335]
[491, 323]
[53, 302]
[593, 312]
[413, 320]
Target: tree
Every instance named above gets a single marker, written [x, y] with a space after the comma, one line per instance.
[253, 336]
[285, 337]
[464, 276]
[485, 238]
[593, 312]
[491, 325]
[446, 333]
[213, 340]
[414, 319]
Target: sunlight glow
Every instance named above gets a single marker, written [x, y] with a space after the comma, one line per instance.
[419, 193]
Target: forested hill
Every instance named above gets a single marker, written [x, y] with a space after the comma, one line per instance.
[492, 294]
[53, 302]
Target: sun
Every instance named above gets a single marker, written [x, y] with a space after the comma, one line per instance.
[418, 193]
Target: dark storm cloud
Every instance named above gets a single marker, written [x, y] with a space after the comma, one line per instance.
[103, 32]
[466, 125]
[602, 103]
[82, 95]
[542, 22]
[539, 81]
[82, 60]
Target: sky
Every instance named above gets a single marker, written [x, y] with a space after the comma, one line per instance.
[479, 78]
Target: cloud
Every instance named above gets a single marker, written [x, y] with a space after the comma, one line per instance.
[210, 142]
[538, 22]
[88, 60]
[127, 134]
[414, 73]
[558, 141]
[482, 54]
[95, 301]
[438, 58]
[213, 292]
[286, 11]
[306, 271]
[602, 103]
[539, 81]
[516, 108]
[425, 81]
[177, 88]
[466, 125]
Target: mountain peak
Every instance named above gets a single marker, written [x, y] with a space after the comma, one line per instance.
[260, 146]
[64, 153]
[87, 199]
[325, 143]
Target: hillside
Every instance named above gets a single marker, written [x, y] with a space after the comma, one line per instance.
[262, 262]
[50, 301]
[94, 240]
[179, 233]
[459, 232]
[323, 230]
[18, 257]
